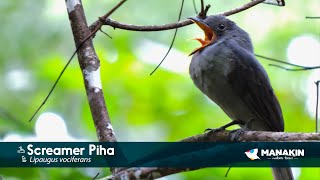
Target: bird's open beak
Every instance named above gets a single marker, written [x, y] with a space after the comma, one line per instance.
[209, 35]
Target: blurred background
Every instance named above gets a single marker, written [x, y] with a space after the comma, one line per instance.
[36, 42]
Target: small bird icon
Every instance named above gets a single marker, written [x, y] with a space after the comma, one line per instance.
[252, 154]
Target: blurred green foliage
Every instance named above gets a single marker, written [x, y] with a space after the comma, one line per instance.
[36, 38]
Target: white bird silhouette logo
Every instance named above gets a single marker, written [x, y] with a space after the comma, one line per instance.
[252, 154]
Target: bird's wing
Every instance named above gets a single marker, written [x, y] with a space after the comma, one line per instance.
[250, 81]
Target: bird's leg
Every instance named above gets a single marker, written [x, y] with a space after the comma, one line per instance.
[225, 126]
[235, 134]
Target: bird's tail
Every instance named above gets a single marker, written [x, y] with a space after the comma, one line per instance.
[282, 174]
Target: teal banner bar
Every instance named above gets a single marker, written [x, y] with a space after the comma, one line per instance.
[159, 154]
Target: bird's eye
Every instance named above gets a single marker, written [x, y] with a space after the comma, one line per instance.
[221, 27]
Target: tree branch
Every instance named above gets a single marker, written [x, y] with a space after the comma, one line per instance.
[250, 136]
[90, 66]
[147, 173]
[220, 136]
[242, 8]
[131, 27]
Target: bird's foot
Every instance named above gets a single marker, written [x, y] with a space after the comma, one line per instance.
[224, 126]
[209, 130]
[235, 134]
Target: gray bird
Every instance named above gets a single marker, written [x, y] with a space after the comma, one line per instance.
[225, 69]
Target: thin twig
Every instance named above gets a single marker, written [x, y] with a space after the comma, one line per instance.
[312, 17]
[279, 61]
[202, 6]
[7, 115]
[317, 105]
[300, 67]
[112, 10]
[292, 69]
[55, 83]
[61, 73]
[105, 33]
[101, 19]
[278, 66]
[227, 171]
[202, 13]
[195, 7]
[173, 39]
[95, 177]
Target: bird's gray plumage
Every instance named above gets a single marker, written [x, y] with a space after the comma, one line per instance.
[230, 75]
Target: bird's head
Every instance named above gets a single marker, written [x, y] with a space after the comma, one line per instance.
[215, 27]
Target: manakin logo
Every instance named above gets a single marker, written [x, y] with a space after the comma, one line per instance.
[275, 154]
[282, 154]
